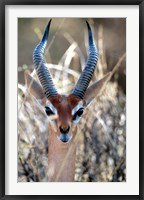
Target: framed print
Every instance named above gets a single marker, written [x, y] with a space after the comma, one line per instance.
[71, 89]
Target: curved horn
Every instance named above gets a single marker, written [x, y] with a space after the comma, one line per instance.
[87, 73]
[40, 65]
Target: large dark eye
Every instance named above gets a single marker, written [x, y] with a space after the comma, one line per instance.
[78, 113]
[48, 111]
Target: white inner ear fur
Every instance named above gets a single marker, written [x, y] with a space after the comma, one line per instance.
[96, 89]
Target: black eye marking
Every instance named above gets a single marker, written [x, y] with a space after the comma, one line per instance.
[48, 111]
[78, 113]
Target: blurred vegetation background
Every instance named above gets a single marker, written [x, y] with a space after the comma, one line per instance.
[101, 153]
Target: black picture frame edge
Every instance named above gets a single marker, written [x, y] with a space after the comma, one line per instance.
[2, 102]
[72, 2]
[141, 100]
[2, 96]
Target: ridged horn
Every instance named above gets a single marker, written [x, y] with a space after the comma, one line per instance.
[40, 65]
[85, 77]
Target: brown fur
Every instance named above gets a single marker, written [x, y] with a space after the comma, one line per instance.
[61, 156]
[64, 106]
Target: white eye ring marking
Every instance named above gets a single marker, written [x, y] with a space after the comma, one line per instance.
[77, 118]
[75, 109]
[53, 109]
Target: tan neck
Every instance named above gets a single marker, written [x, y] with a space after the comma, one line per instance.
[61, 159]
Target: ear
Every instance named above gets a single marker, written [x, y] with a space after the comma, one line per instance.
[95, 89]
[34, 88]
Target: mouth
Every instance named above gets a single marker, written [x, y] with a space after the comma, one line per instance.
[64, 137]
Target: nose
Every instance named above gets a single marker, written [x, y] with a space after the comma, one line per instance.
[64, 129]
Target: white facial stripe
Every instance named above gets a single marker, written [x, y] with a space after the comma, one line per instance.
[75, 109]
[76, 120]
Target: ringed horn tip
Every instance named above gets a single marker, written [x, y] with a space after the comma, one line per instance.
[40, 65]
[43, 72]
[86, 75]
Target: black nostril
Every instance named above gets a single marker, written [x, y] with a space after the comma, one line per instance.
[64, 129]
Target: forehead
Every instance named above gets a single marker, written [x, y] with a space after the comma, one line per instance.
[64, 102]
